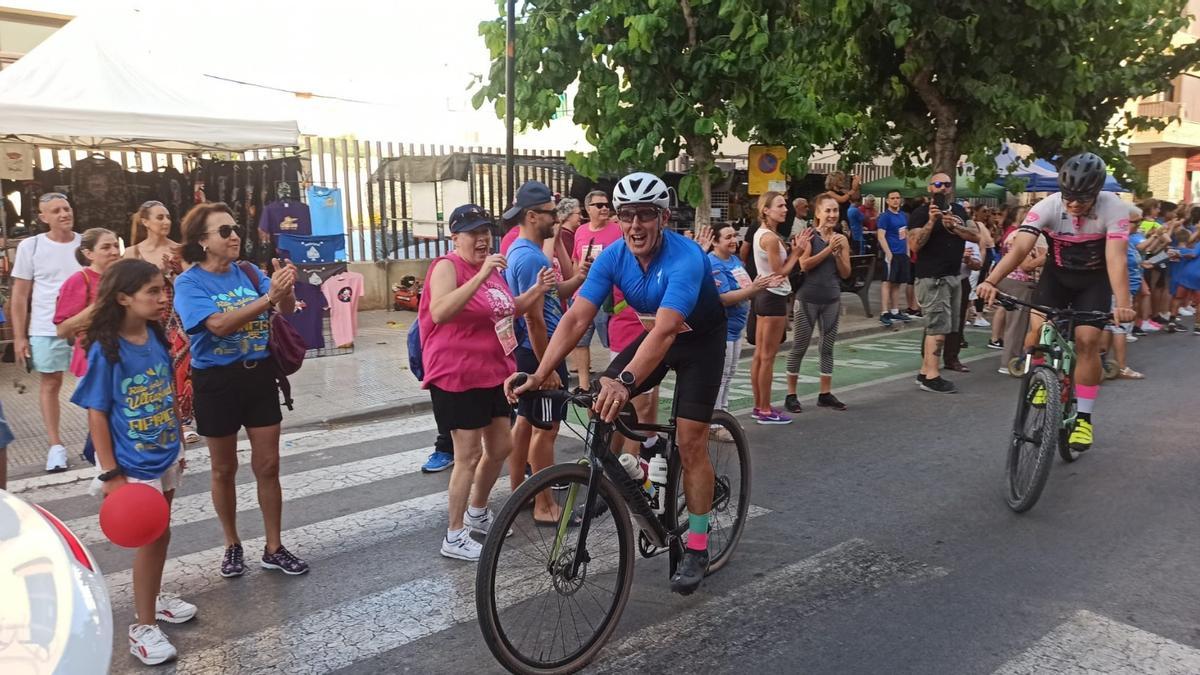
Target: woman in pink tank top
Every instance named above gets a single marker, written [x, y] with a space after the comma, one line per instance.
[468, 334]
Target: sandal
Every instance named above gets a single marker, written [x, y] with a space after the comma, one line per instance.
[1128, 373]
[190, 436]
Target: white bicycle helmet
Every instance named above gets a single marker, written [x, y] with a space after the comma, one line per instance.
[642, 188]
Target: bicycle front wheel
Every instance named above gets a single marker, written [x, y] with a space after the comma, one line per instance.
[729, 452]
[538, 614]
[1034, 438]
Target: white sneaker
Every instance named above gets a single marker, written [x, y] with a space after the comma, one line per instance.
[1187, 311]
[1130, 337]
[981, 322]
[170, 608]
[1004, 371]
[463, 547]
[150, 644]
[56, 459]
[481, 524]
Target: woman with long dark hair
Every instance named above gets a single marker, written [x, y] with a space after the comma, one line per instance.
[225, 307]
[98, 250]
[150, 233]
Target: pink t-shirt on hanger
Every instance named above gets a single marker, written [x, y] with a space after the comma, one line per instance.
[342, 292]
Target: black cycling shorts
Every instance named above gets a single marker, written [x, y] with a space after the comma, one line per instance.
[1081, 291]
[698, 362]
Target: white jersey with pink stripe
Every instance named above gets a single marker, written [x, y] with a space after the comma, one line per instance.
[1077, 243]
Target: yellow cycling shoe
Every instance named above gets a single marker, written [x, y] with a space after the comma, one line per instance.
[1081, 436]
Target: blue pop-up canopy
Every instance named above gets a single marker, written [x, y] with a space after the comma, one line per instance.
[1042, 176]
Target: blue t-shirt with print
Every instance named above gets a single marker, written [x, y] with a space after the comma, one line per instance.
[311, 249]
[137, 393]
[678, 277]
[325, 210]
[892, 224]
[525, 262]
[199, 294]
[726, 275]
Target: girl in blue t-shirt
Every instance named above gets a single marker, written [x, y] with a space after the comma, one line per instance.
[134, 423]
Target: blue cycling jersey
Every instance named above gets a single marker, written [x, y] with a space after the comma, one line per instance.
[679, 278]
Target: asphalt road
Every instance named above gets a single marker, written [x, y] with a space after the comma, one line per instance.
[886, 547]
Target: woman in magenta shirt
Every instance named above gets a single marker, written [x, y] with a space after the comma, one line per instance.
[468, 336]
[98, 250]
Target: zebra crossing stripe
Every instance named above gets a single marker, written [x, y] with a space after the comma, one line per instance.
[1091, 643]
[333, 637]
[294, 443]
[195, 508]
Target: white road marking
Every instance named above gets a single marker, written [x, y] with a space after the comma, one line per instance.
[360, 628]
[1090, 643]
[197, 507]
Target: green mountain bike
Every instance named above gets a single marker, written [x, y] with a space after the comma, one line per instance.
[1046, 409]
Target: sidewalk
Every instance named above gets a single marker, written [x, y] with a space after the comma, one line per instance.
[372, 382]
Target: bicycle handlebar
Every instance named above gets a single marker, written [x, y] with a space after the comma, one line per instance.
[582, 399]
[1009, 302]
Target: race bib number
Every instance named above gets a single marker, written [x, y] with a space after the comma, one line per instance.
[591, 251]
[742, 277]
[506, 334]
[647, 321]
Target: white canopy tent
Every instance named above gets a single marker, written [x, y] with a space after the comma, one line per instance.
[99, 83]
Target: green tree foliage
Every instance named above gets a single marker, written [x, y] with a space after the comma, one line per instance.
[940, 78]
[657, 77]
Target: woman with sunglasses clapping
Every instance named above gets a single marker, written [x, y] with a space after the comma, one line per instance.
[225, 308]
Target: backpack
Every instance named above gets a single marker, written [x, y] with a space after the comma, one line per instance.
[415, 364]
[284, 343]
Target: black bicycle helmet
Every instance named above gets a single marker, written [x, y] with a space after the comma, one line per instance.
[1082, 176]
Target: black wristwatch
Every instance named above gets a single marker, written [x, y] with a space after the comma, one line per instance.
[111, 474]
[626, 378]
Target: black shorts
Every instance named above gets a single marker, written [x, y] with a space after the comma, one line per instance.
[899, 271]
[767, 303]
[1082, 291]
[539, 409]
[698, 363]
[470, 409]
[227, 398]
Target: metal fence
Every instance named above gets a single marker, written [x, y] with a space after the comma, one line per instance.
[379, 211]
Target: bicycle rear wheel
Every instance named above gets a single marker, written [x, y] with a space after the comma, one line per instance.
[536, 616]
[729, 453]
[1034, 438]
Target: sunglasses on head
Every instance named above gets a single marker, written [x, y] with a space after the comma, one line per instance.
[225, 230]
[642, 213]
[471, 213]
[941, 183]
[51, 196]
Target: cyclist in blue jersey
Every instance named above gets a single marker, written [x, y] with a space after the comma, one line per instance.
[667, 280]
[1085, 269]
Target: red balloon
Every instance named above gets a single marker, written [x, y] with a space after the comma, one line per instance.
[134, 515]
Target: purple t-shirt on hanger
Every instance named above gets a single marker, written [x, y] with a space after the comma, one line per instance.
[308, 319]
[286, 216]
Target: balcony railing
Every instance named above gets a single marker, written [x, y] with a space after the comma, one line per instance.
[1159, 109]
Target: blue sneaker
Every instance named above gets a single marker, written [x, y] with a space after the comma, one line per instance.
[901, 316]
[885, 319]
[438, 461]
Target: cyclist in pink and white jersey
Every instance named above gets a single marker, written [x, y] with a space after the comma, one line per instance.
[1085, 269]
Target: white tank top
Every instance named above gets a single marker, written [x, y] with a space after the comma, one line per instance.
[763, 263]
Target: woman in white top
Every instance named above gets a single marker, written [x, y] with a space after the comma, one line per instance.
[770, 307]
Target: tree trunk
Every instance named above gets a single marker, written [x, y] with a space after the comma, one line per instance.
[702, 155]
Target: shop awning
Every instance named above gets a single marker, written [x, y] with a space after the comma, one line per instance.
[94, 83]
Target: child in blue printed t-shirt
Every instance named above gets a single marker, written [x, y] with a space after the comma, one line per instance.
[132, 417]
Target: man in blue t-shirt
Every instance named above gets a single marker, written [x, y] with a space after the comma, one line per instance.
[892, 231]
[855, 220]
[667, 280]
[537, 416]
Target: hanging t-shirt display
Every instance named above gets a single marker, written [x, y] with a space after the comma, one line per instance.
[98, 195]
[316, 274]
[341, 294]
[325, 206]
[286, 216]
[309, 317]
[312, 249]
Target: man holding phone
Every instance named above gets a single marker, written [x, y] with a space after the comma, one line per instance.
[937, 236]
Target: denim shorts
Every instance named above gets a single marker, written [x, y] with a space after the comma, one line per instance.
[599, 328]
[6, 435]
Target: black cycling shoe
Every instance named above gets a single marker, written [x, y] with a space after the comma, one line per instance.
[792, 404]
[690, 572]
